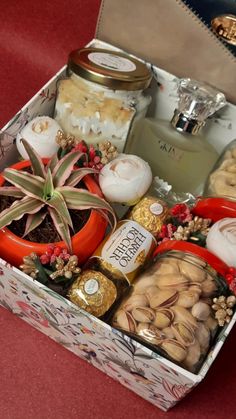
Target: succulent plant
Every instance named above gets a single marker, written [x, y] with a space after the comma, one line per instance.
[50, 189]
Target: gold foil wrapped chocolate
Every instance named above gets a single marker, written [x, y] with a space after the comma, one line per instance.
[151, 213]
[120, 256]
[93, 292]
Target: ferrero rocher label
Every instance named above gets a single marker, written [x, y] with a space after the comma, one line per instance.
[124, 251]
[93, 292]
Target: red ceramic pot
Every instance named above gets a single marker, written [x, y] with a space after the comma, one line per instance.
[13, 248]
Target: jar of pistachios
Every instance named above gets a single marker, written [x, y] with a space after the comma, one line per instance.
[103, 95]
[170, 306]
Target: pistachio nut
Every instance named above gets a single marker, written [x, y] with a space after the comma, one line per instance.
[161, 298]
[184, 333]
[167, 267]
[212, 324]
[150, 333]
[178, 282]
[124, 320]
[193, 356]
[163, 318]
[203, 336]
[187, 298]
[174, 349]
[143, 314]
[135, 300]
[195, 287]
[145, 281]
[184, 315]
[194, 273]
[168, 332]
[209, 287]
[201, 310]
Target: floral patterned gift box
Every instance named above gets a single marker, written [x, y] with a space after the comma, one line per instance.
[148, 374]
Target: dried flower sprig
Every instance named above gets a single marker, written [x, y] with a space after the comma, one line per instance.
[184, 226]
[66, 269]
[28, 266]
[223, 308]
[181, 213]
[55, 265]
[97, 157]
[197, 225]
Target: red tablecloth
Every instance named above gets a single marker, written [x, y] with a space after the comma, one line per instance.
[38, 378]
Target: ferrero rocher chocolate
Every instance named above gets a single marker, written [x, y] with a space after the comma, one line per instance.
[93, 292]
[121, 255]
[151, 213]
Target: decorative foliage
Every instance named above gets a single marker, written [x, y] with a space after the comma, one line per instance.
[96, 157]
[184, 227]
[52, 190]
[54, 266]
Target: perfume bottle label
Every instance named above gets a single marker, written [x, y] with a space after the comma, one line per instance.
[126, 249]
[173, 152]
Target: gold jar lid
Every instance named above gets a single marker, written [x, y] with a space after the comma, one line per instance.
[112, 69]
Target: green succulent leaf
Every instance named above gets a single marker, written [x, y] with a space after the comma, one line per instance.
[61, 227]
[48, 186]
[33, 221]
[11, 191]
[80, 199]
[77, 175]
[36, 161]
[18, 209]
[30, 184]
[52, 162]
[105, 215]
[58, 203]
[64, 167]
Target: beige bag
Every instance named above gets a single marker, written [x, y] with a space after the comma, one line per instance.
[168, 34]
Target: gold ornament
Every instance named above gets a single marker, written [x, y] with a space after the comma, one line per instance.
[28, 266]
[66, 269]
[223, 308]
[93, 292]
[108, 151]
[66, 140]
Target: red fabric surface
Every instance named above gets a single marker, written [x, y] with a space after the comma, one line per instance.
[38, 378]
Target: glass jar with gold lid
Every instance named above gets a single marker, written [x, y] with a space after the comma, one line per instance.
[103, 95]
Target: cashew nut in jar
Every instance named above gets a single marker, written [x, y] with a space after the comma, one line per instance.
[222, 179]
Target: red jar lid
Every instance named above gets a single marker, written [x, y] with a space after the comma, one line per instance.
[195, 250]
[215, 208]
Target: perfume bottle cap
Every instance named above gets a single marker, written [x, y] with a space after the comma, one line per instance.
[197, 101]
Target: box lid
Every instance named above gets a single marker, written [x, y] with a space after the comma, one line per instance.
[169, 35]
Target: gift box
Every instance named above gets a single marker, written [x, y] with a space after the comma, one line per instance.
[148, 374]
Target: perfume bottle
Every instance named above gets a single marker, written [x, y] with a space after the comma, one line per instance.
[176, 151]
